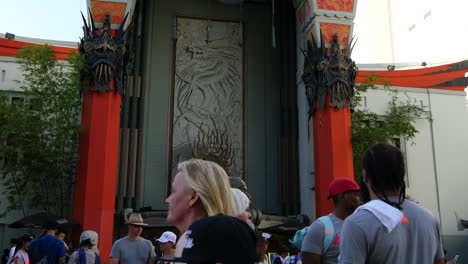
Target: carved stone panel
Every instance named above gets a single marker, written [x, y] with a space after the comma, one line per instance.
[207, 114]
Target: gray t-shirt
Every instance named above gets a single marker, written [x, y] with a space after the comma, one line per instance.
[416, 239]
[132, 251]
[313, 240]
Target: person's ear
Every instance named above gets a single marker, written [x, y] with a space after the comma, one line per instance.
[194, 198]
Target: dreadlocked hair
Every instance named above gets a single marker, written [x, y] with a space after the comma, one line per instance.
[384, 166]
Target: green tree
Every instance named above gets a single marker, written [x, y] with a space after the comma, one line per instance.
[39, 135]
[369, 128]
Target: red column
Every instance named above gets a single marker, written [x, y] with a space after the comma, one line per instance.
[95, 189]
[333, 152]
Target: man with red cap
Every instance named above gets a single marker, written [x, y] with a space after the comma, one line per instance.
[322, 239]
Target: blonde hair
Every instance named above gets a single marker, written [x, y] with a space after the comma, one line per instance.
[241, 201]
[211, 183]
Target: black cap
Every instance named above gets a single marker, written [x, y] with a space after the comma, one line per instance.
[219, 238]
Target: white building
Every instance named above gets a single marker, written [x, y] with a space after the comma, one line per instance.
[9, 75]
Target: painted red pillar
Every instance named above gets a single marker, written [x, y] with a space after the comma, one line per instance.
[95, 189]
[333, 152]
[333, 155]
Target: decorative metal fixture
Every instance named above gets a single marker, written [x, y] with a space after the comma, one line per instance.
[328, 73]
[105, 55]
[214, 145]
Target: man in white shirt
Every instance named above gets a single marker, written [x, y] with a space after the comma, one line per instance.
[13, 243]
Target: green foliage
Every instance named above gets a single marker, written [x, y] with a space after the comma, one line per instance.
[369, 128]
[39, 135]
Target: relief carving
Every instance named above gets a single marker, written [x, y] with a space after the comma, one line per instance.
[208, 94]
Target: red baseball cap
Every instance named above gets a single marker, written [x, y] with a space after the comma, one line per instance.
[342, 185]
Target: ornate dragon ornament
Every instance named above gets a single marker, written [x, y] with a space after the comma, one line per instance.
[328, 73]
[214, 145]
[105, 55]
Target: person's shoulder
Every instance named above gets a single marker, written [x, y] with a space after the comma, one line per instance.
[33, 242]
[41, 240]
[120, 240]
[412, 207]
[146, 241]
[317, 224]
[75, 255]
[414, 210]
[361, 218]
[317, 227]
[49, 238]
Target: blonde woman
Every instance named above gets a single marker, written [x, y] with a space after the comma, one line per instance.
[200, 189]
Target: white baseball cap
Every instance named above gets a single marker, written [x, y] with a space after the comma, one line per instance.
[167, 236]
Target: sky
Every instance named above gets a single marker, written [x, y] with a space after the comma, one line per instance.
[440, 36]
[398, 31]
[45, 19]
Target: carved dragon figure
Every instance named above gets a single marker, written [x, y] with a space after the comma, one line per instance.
[331, 74]
[105, 55]
[214, 145]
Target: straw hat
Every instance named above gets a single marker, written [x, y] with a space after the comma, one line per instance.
[136, 219]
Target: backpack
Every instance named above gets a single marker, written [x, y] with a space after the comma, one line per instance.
[329, 234]
[299, 237]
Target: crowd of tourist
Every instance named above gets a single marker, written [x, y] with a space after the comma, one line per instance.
[371, 223]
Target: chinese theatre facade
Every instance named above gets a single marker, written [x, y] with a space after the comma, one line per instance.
[216, 80]
[262, 87]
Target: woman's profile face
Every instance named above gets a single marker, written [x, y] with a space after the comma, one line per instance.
[26, 245]
[245, 216]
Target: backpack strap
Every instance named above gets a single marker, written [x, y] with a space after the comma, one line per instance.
[98, 258]
[329, 233]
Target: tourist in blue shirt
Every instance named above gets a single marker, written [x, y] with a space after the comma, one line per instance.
[48, 247]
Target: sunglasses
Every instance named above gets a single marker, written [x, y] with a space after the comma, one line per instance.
[136, 226]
